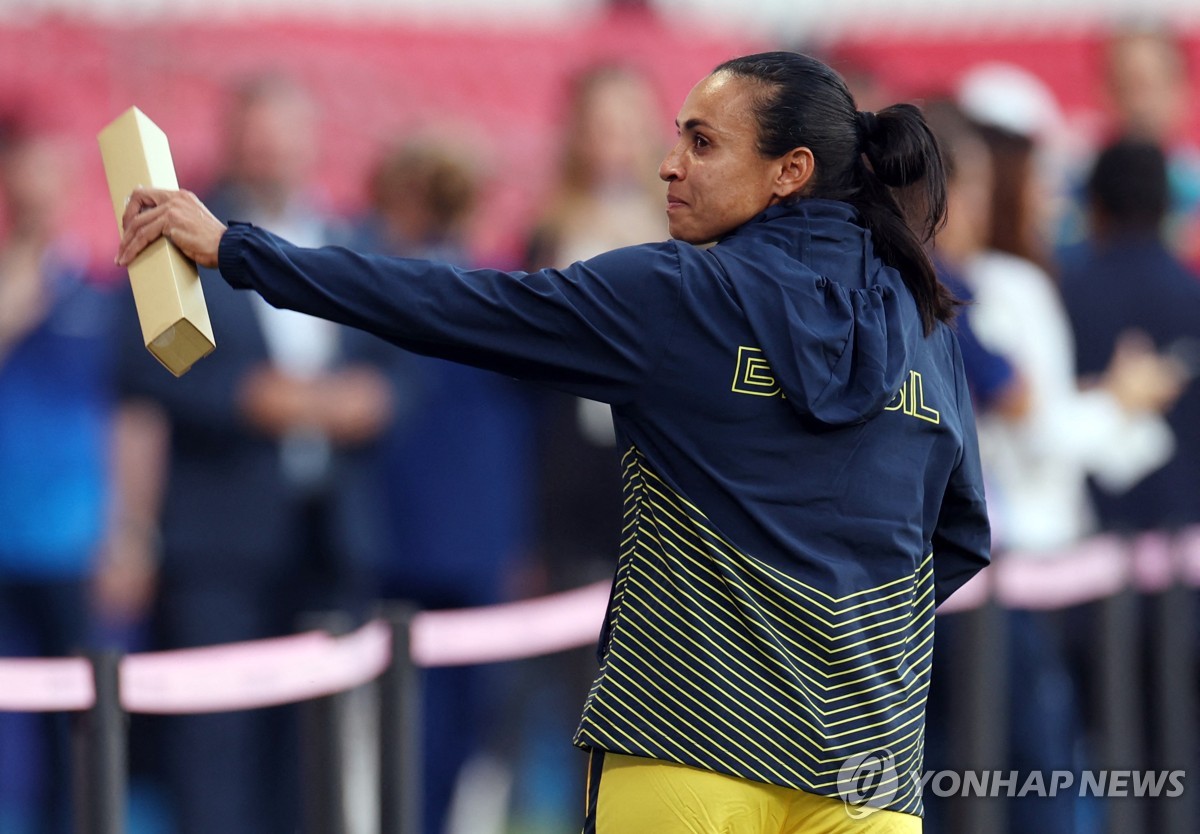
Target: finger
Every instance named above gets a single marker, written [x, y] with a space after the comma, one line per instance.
[135, 237]
[141, 207]
[1135, 341]
[143, 230]
[144, 218]
[140, 199]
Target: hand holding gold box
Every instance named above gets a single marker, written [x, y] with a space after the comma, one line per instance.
[166, 286]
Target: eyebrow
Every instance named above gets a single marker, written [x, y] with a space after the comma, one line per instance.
[691, 124]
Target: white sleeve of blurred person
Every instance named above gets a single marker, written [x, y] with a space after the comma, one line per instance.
[1112, 429]
[300, 397]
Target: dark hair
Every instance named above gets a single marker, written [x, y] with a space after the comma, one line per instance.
[1013, 217]
[952, 129]
[423, 172]
[886, 164]
[1128, 186]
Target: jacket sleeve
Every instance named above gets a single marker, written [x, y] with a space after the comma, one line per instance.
[596, 329]
[962, 535]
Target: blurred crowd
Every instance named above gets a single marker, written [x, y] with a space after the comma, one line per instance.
[304, 467]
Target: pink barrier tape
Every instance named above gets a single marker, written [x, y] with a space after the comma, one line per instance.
[510, 631]
[46, 685]
[284, 670]
[254, 674]
[1089, 570]
[1153, 565]
[971, 595]
[1188, 543]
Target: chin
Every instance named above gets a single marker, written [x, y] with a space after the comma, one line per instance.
[690, 236]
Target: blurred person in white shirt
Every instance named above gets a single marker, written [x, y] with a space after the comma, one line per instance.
[1037, 465]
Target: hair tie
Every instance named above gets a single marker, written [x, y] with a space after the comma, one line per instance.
[867, 124]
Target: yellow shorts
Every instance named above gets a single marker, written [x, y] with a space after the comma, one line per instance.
[633, 795]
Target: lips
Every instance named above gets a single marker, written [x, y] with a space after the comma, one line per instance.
[674, 202]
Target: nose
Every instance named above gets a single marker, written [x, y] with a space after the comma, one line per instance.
[671, 168]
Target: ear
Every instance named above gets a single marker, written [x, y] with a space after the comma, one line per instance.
[795, 170]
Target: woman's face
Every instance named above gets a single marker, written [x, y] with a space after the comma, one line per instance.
[618, 129]
[716, 178]
[968, 200]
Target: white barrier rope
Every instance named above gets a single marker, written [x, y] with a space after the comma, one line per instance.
[283, 670]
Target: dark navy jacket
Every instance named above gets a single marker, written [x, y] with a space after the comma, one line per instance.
[801, 473]
[1135, 282]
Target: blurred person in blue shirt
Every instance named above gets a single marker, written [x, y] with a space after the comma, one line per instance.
[54, 418]
[464, 444]
[1145, 74]
[1123, 278]
[602, 195]
[268, 506]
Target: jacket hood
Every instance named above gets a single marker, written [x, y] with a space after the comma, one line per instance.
[839, 328]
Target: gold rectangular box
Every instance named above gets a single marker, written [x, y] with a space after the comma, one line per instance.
[166, 286]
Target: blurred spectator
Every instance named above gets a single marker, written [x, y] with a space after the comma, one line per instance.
[996, 388]
[1041, 702]
[1125, 278]
[269, 508]
[995, 384]
[1024, 128]
[1037, 465]
[1036, 455]
[54, 417]
[458, 470]
[607, 195]
[1145, 73]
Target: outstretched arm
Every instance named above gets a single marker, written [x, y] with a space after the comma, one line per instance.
[596, 329]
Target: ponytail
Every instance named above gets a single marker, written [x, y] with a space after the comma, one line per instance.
[886, 164]
[902, 200]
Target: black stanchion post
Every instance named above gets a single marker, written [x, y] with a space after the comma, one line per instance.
[980, 712]
[323, 746]
[1120, 708]
[99, 742]
[400, 731]
[1175, 717]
